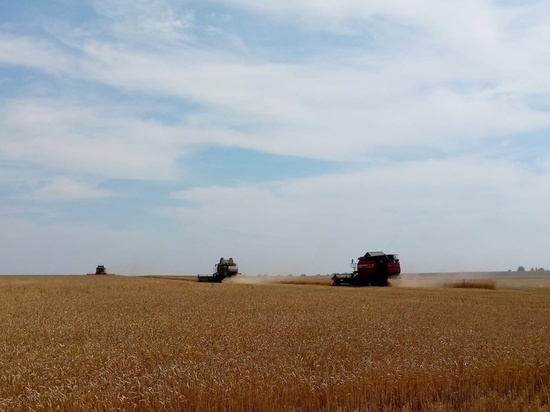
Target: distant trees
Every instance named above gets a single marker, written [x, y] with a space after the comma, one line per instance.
[535, 269]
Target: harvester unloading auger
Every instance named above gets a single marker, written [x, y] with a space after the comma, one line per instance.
[226, 268]
[373, 269]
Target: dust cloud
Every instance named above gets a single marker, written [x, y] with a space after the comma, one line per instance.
[250, 280]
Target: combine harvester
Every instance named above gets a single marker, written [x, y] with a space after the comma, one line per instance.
[100, 270]
[373, 269]
[226, 268]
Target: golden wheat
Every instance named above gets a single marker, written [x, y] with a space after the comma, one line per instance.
[473, 284]
[138, 344]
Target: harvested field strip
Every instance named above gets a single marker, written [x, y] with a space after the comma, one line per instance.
[89, 343]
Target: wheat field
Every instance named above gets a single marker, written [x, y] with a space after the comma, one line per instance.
[115, 343]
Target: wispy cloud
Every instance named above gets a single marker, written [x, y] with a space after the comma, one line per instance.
[35, 53]
[64, 188]
[151, 20]
[64, 135]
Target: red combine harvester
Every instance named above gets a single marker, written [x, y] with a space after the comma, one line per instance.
[373, 269]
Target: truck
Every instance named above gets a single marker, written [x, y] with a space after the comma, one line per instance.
[371, 269]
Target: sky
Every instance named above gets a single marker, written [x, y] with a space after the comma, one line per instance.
[156, 136]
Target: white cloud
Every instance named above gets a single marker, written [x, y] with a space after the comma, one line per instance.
[146, 21]
[27, 51]
[440, 215]
[471, 74]
[62, 188]
[64, 135]
[29, 185]
[301, 109]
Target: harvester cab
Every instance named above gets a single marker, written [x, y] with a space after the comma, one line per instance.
[100, 270]
[372, 269]
[226, 268]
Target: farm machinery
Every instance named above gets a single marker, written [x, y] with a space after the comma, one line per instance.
[372, 269]
[226, 268]
[100, 270]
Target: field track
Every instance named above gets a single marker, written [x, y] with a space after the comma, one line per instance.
[81, 343]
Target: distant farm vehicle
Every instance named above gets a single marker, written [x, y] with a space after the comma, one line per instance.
[226, 268]
[100, 270]
[372, 269]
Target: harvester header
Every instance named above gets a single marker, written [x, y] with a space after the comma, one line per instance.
[226, 268]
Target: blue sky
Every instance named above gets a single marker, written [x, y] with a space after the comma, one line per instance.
[157, 136]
